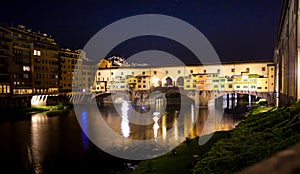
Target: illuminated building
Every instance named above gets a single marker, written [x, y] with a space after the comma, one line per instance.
[5, 55]
[287, 54]
[68, 60]
[46, 66]
[21, 63]
[89, 69]
[240, 77]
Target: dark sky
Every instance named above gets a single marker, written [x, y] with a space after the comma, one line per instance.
[238, 29]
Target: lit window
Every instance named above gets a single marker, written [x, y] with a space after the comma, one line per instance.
[26, 68]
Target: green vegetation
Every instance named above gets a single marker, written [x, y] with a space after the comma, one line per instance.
[179, 160]
[263, 133]
[48, 109]
[254, 139]
[253, 76]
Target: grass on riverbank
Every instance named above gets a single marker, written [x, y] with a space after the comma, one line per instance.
[183, 161]
[55, 109]
[254, 139]
[260, 135]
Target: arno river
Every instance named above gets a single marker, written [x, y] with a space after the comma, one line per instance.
[39, 143]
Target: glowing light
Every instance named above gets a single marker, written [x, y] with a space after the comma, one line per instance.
[155, 126]
[155, 82]
[125, 129]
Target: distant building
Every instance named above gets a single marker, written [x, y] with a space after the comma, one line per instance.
[238, 77]
[68, 61]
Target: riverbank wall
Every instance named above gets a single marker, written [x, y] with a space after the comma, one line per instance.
[28, 101]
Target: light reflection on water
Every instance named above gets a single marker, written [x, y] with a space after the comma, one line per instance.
[46, 144]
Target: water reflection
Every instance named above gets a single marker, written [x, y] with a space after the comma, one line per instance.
[38, 141]
[125, 129]
[166, 125]
[48, 143]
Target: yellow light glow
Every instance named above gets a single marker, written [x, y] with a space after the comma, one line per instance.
[155, 81]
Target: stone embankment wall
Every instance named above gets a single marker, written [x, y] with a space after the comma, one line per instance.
[11, 102]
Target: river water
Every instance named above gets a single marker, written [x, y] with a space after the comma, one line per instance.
[39, 143]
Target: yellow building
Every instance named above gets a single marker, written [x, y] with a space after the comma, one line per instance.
[68, 77]
[5, 54]
[132, 83]
[21, 64]
[105, 63]
[262, 84]
[46, 65]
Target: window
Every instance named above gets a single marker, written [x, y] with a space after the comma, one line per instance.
[266, 87]
[218, 71]
[132, 73]
[154, 72]
[112, 73]
[222, 86]
[166, 72]
[272, 76]
[26, 68]
[232, 69]
[215, 86]
[191, 71]
[252, 86]
[188, 86]
[144, 86]
[245, 86]
[25, 76]
[99, 74]
[179, 72]
[248, 69]
[258, 87]
[144, 72]
[122, 73]
[263, 69]
[237, 86]
[204, 71]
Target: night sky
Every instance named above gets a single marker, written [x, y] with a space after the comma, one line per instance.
[239, 30]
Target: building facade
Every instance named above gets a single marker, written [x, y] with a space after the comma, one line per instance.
[5, 56]
[239, 77]
[286, 54]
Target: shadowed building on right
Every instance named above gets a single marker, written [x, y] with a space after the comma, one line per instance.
[286, 54]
